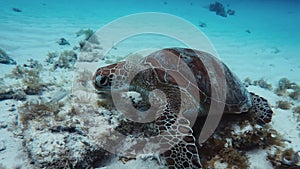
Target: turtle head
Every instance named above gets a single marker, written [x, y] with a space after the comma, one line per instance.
[261, 108]
[111, 77]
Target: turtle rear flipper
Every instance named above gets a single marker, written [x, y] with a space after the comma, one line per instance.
[261, 108]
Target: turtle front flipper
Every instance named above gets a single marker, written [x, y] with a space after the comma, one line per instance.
[262, 109]
[183, 155]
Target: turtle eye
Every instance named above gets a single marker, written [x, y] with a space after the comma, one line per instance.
[102, 81]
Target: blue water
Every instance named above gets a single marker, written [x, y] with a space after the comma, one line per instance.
[273, 25]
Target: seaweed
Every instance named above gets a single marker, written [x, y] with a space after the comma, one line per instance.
[37, 110]
[296, 113]
[66, 60]
[284, 105]
[284, 158]
[86, 32]
[33, 64]
[30, 75]
[263, 84]
[51, 57]
[295, 95]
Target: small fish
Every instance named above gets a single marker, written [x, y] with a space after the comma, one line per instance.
[16, 10]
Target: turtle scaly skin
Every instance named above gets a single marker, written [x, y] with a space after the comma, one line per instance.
[162, 70]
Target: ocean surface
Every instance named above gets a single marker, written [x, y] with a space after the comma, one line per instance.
[258, 39]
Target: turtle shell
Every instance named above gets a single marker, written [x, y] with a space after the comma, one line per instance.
[198, 73]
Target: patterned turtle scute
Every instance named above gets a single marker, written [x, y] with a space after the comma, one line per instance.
[164, 72]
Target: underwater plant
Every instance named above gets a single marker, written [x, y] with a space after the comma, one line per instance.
[30, 76]
[37, 110]
[86, 32]
[284, 105]
[296, 113]
[295, 95]
[283, 158]
[51, 57]
[66, 60]
[263, 84]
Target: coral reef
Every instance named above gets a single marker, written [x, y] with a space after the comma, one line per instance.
[5, 59]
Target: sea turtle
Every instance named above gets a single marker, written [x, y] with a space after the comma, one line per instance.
[161, 70]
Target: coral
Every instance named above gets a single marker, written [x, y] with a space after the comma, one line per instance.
[263, 84]
[66, 60]
[285, 105]
[218, 8]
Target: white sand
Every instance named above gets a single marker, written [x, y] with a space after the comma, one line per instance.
[270, 51]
